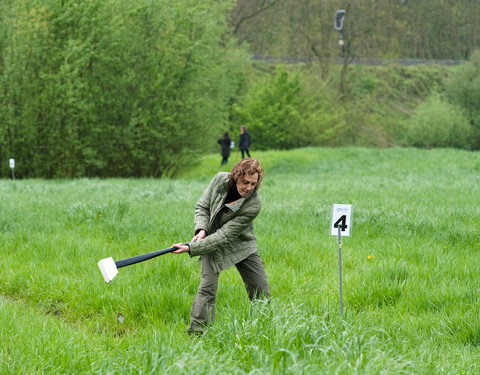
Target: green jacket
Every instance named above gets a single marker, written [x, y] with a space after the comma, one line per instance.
[230, 237]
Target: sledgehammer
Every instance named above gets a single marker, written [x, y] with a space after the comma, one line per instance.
[109, 268]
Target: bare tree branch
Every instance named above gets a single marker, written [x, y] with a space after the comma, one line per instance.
[265, 5]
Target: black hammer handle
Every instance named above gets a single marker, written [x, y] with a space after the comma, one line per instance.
[143, 257]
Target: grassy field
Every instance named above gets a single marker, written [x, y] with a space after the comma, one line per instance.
[410, 270]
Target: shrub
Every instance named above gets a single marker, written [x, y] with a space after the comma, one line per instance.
[271, 110]
[438, 123]
[463, 90]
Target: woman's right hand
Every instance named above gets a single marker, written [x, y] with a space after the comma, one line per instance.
[199, 236]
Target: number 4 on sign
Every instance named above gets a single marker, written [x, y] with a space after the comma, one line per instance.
[341, 216]
[342, 223]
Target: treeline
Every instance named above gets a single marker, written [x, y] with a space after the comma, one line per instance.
[323, 103]
[380, 106]
[437, 29]
[115, 88]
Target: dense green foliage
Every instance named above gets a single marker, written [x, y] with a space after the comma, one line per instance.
[463, 90]
[294, 107]
[438, 123]
[410, 271]
[272, 108]
[112, 88]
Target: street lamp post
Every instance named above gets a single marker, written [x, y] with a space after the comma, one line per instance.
[338, 25]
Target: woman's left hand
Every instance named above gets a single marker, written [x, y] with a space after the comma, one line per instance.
[182, 248]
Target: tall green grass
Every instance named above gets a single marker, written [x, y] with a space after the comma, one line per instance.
[410, 270]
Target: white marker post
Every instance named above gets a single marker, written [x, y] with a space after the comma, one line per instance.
[341, 215]
[11, 162]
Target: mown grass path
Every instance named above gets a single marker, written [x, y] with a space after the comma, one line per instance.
[411, 271]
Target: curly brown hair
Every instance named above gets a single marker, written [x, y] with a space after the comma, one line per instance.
[247, 166]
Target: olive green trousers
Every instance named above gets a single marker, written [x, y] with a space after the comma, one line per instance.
[251, 270]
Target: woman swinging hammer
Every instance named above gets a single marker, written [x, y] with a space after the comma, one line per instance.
[224, 237]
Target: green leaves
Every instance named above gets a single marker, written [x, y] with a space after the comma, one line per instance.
[463, 90]
[96, 88]
[438, 123]
[271, 110]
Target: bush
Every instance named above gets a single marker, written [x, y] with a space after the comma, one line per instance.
[438, 123]
[323, 116]
[463, 90]
[271, 110]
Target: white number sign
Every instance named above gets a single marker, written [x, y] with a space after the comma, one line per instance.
[341, 216]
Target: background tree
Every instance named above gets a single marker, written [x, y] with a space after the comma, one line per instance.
[112, 88]
[442, 29]
[463, 90]
[248, 9]
[272, 111]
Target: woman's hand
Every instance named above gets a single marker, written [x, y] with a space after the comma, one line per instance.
[200, 235]
[181, 248]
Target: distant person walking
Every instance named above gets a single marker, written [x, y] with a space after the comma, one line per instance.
[245, 141]
[224, 143]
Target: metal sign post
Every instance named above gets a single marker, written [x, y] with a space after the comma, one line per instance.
[11, 163]
[340, 268]
[341, 216]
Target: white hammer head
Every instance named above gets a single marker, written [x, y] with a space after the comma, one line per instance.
[108, 268]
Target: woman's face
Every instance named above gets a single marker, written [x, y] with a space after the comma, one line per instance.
[246, 184]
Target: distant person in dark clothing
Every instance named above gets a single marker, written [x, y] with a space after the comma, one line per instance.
[224, 143]
[245, 141]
